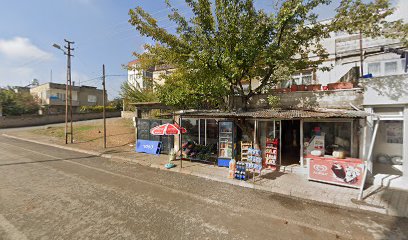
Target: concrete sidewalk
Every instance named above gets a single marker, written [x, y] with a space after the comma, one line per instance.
[382, 199]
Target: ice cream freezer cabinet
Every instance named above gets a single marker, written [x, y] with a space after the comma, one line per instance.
[344, 172]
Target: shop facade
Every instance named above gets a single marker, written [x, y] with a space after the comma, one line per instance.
[389, 128]
[291, 132]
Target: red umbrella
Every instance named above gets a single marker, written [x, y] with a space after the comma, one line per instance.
[168, 129]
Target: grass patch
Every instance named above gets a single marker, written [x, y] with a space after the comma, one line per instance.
[59, 132]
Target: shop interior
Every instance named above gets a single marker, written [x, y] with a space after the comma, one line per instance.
[388, 148]
[333, 136]
[290, 144]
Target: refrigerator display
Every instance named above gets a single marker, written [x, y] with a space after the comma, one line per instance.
[226, 136]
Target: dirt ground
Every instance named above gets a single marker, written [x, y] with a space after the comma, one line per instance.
[120, 134]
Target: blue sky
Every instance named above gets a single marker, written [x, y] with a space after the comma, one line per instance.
[99, 28]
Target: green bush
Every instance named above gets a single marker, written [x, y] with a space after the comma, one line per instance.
[16, 104]
[97, 109]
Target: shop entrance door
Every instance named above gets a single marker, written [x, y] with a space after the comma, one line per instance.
[290, 143]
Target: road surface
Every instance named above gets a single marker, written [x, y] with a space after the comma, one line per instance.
[49, 193]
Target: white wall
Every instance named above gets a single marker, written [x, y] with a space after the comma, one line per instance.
[386, 90]
[135, 78]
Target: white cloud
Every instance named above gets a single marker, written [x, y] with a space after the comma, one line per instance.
[21, 48]
[401, 11]
[21, 61]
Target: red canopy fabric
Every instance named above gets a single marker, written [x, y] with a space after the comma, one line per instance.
[167, 129]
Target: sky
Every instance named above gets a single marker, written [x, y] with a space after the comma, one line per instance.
[101, 33]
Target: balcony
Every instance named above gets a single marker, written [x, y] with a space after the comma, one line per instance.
[385, 90]
[58, 102]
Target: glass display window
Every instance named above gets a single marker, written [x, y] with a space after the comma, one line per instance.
[337, 135]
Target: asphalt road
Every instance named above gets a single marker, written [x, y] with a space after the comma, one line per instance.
[49, 193]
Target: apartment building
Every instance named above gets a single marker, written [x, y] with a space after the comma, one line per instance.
[136, 77]
[52, 96]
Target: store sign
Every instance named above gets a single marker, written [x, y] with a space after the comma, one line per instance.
[337, 171]
[150, 147]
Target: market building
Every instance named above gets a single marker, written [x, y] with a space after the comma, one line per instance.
[334, 112]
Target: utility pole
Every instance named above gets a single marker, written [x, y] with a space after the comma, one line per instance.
[361, 54]
[68, 88]
[69, 82]
[104, 105]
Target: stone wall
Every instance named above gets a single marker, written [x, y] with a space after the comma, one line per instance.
[35, 120]
[334, 99]
[128, 114]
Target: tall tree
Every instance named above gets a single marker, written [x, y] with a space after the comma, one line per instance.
[229, 43]
[16, 104]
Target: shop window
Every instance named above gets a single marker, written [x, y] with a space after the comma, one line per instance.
[143, 133]
[388, 148]
[202, 131]
[191, 125]
[337, 135]
[212, 132]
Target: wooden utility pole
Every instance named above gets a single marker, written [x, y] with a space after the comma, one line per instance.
[361, 54]
[104, 106]
[68, 97]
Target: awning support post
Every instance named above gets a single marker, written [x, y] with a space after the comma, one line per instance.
[370, 151]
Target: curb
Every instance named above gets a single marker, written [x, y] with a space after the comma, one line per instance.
[277, 191]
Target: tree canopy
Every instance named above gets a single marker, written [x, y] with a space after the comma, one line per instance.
[227, 44]
[15, 104]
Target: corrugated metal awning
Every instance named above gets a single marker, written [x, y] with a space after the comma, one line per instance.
[279, 114]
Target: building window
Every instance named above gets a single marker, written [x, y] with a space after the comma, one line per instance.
[374, 68]
[91, 98]
[61, 96]
[390, 68]
[386, 68]
[303, 78]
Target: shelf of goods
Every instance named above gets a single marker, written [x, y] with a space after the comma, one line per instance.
[253, 164]
[244, 150]
[271, 152]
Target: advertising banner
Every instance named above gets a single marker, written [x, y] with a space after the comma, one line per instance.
[150, 147]
[345, 172]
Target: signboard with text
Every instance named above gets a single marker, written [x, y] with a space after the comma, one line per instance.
[345, 172]
[150, 147]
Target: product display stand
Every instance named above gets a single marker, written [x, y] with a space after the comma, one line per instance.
[271, 153]
[244, 150]
[254, 163]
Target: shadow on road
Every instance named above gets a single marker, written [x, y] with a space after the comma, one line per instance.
[43, 161]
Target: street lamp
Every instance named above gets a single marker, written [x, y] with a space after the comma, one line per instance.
[57, 46]
[68, 53]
